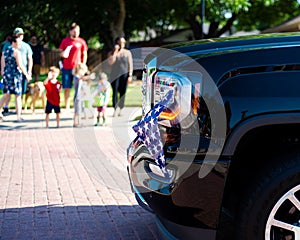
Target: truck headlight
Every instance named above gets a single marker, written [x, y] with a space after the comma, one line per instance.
[180, 105]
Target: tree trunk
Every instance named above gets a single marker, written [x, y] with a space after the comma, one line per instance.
[213, 30]
[117, 26]
[195, 26]
[228, 25]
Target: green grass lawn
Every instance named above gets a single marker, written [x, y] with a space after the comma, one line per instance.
[133, 96]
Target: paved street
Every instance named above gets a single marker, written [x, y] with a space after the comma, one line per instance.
[68, 183]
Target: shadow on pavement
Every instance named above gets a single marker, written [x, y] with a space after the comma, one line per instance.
[77, 222]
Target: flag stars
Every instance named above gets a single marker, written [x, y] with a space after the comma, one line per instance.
[148, 131]
[151, 122]
[147, 118]
[153, 136]
[140, 130]
[157, 109]
[147, 140]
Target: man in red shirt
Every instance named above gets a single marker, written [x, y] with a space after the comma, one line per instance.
[74, 50]
[53, 87]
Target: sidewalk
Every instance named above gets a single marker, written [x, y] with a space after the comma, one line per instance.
[68, 183]
[37, 120]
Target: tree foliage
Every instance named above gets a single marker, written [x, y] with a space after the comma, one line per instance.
[103, 20]
[264, 15]
[222, 15]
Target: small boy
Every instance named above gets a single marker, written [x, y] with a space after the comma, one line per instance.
[102, 98]
[53, 88]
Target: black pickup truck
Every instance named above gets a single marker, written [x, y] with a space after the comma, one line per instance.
[231, 139]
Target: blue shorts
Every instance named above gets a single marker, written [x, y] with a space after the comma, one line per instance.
[66, 78]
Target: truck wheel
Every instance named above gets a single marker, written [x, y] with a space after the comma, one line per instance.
[271, 208]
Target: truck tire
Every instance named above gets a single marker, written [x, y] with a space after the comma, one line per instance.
[270, 209]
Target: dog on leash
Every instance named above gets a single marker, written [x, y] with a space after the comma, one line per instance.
[37, 92]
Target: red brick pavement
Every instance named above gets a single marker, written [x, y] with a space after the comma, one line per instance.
[67, 183]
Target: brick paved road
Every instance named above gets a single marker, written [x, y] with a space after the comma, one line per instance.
[67, 183]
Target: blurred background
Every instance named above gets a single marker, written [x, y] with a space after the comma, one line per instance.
[147, 23]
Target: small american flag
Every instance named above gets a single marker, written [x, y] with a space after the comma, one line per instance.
[148, 132]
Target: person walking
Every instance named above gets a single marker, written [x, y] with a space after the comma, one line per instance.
[120, 59]
[74, 50]
[13, 74]
[53, 88]
[26, 56]
[38, 57]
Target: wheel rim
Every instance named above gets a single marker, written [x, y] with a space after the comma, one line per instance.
[284, 220]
